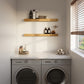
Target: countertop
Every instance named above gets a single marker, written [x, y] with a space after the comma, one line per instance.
[41, 56]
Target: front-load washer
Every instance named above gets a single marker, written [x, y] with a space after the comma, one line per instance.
[24, 71]
[56, 71]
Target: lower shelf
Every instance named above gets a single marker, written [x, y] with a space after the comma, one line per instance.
[40, 35]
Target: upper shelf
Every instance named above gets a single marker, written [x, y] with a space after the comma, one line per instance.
[40, 20]
[40, 35]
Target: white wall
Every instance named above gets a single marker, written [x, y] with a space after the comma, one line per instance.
[11, 37]
[77, 69]
[7, 37]
[50, 8]
[68, 25]
[9, 32]
[77, 73]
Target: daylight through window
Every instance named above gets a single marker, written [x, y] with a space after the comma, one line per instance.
[77, 22]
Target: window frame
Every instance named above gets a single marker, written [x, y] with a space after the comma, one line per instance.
[76, 33]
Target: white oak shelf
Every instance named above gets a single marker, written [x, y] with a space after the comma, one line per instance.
[40, 20]
[39, 35]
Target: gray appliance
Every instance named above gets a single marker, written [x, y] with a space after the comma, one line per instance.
[56, 71]
[25, 71]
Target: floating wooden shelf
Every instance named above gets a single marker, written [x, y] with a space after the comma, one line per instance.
[40, 35]
[40, 20]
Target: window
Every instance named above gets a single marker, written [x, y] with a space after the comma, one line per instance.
[81, 42]
[77, 23]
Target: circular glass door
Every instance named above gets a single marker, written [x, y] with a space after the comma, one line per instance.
[26, 76]
[55, 76]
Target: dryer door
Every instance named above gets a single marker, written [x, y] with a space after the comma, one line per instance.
[26, 76]
[55, 76]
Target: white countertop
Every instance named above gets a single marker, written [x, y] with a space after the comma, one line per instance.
[41, 56]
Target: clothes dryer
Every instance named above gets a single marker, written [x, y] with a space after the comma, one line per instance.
[56, 71]
[24, 71]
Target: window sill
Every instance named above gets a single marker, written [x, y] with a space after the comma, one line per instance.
[78, 52]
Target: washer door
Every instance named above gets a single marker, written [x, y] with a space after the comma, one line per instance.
[55, 76]
[26, 76]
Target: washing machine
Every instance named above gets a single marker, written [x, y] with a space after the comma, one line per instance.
[25, 71]
[56, 71]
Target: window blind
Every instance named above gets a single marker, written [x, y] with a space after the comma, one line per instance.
[77, 17]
